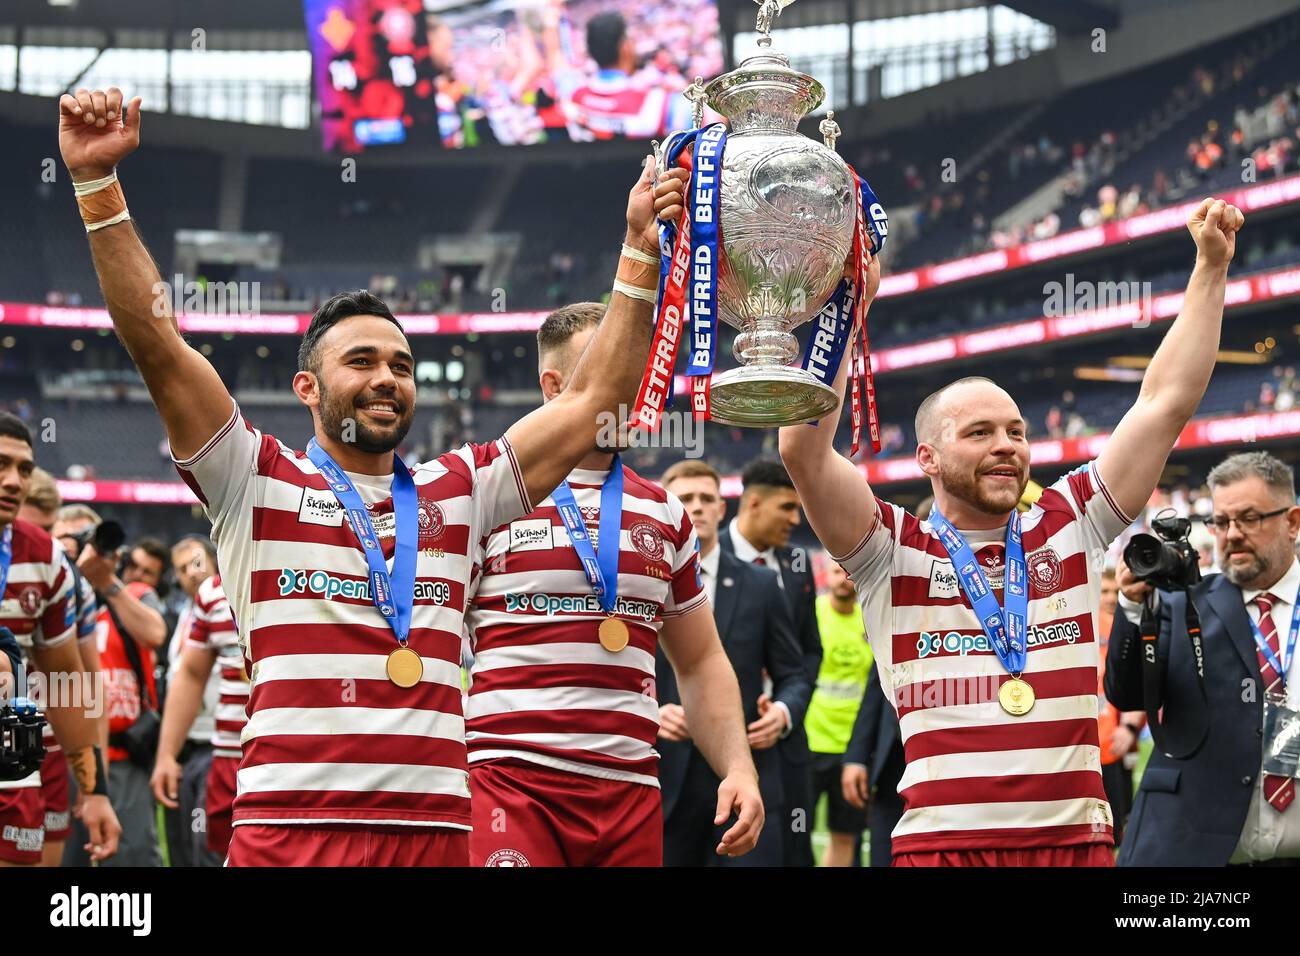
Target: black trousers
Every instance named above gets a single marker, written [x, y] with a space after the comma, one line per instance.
[1117, 780]
[690, 837]
[796, 827]
[886, 808]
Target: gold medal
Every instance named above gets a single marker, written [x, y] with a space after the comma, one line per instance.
[405, 667]
[1016, 697]
[613, 634]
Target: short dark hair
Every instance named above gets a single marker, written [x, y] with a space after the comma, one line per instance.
[605, 32]
[155, 549]
[563, 324]
[11, 426]
[765, 473]
[202, 540]
[331, 313]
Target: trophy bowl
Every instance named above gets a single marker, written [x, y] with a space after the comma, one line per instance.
[787, 213]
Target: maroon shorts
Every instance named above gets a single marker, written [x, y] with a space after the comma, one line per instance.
[529, 815]
[220, 803]
[22, 825]
[331, 844]
[54, 794]
[1083, 854]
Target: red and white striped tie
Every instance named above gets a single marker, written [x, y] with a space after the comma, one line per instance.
[1279, 791]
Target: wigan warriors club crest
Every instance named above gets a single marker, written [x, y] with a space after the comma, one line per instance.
[648, 540]
[1045, 570]
[431, 520]
[29, 599]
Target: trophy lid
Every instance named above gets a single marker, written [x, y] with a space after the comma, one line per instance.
[764, 94]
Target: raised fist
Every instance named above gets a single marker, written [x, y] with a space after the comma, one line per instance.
[95, 133]
[1214, 226]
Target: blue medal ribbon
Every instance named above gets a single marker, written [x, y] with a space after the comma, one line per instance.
[672, 149]
[1266, 649]
[825, 350]
[1005, 626]
[6, 557]
[706, 182]
[393, 595]
[601, 569]
[876, 219]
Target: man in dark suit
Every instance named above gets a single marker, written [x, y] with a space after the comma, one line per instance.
[769, 512]
[873, 766]
[1218, 806]
[754, 624]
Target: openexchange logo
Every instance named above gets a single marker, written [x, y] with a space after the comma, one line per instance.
[577, 604]
[329, 586]
[78, 909]
[928, 644]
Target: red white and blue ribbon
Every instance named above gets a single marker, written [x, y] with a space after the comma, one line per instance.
[706, 175]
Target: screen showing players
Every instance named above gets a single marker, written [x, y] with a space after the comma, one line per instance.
[462, 75]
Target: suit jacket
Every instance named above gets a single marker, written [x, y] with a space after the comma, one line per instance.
[754, 625]
[800, 592]
[875, 731]
[1191, 812]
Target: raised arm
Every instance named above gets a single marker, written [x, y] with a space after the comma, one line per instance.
[95, 134]
[836, 497]
[550, 441]
[1175, 381]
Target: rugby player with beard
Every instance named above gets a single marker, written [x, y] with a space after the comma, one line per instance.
[1003, 761]
[346, 571]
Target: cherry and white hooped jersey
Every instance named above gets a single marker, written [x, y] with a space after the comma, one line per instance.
[610, 106]
[38, 606]
[212, 627]
[543, 689]
[978, 777]
[329, 738]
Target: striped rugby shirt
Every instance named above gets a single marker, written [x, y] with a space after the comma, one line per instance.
[329, 738]
[39, 606]
[212, 628]
[542, 688]
[978, 777]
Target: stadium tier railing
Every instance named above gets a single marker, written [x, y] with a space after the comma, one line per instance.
[1199, 433]
[1248, 290]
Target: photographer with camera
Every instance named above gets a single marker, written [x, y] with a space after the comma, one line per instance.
[37, 611]
[130, 627]
[1219, 788]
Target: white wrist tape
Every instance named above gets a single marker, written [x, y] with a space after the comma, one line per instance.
[635, 292]
[636, 255]
[94, 185]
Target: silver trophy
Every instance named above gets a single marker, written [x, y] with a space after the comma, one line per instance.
[788, 210]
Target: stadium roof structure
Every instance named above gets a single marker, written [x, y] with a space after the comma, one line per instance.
[155, 14]
[287, 14]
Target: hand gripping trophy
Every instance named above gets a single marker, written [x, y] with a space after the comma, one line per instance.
[771, 218]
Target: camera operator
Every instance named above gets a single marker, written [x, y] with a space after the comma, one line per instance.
[42, 507]
[38, 612]
[1218, 804]
[130, 627]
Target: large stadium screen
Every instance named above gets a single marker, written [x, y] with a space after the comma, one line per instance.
[461, 75]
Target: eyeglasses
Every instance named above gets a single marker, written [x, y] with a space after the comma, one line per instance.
[1248, 523]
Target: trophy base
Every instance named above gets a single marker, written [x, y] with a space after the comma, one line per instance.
[761, 396]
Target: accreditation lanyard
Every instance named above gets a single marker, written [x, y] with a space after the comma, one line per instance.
[601, 569]
[393, 595]
[1280, 666]
[1004, 626]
